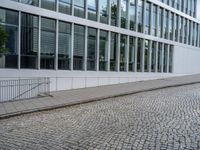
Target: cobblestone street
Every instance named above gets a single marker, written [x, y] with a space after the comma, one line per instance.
[162, 119]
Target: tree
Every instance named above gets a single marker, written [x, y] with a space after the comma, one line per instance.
[3, 41]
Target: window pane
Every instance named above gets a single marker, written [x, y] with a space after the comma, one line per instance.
[31, 2]
[132, 14]
[79, 8]
[113, 52]
[123, 48]
[147, 29]
[131, 54]
[79, 47]
[48, 43]
[91, 49]
[29, 41]
[171, 59]
[64, 45]
[160, 59]
[103, 6]
[114, 12]
[140, 15]
[124, 13]
[139, 55]
[146, 56]
[154, 21]
[9, 23]
[165, 58]
[48, 4]
[103, 50]
[65, 6]
[92, 10]
[153, 57]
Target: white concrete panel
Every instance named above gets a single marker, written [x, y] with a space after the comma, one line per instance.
[186, 61]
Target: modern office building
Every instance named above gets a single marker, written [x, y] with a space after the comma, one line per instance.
[83, 43]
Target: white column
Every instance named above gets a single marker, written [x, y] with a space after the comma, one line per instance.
[108, 51]
[156, 65]
[19, 41]
[182, 30]
[56, 51]
[97, 55]
[72, 47]
[86, 41]
[136, 49]
[162, 57]
[191, 32]
[72, 7]
[157, 23]
[150, 56]
[128, 17]
[136, 17]
[119, 14]
[142, 53]
[118, 52]
[39, 41]
[86, 9]
[174, 26]
[163, 24]
[195, 34]
[98, 12]
[127, 54]
[109, 12]
[187, 38]
[198, 34]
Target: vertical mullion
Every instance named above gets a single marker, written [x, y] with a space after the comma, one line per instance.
[151, 17]
[136, 15]
[144, 16]
[72, 47]
[127, 54]
[168, 46]
[150, 55]
[19, 40]
[97, 53]
[118, 52]
[108, 50]
[39, 41]
[85, 48]
[136, 49]
[56, 52]
[156, 65]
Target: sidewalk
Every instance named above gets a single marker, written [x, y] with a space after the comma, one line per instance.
[72, 97]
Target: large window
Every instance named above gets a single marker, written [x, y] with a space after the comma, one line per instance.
[9, 23]
[171, 59]
[140, 15]
[91, 49]
[48, 4]
[92, 9]
[166, 25]
[113, 52]
[124, 13]
[48, 43]
[64, 45]
[131, 53]
[147, 29]
[103, 50]
[171, 18]
[165, 58]
[123, 49]
[31, 2]
[139, 55]
[176, 25]
[29, 41]
[181, 29]
[114, 12]
[160, 59]
[79, 8]
[153, 56]
[79, 47]
[146, 55]
[154, 21]
[65, 6]
[132, 15]
[103, 6]
[160, 23]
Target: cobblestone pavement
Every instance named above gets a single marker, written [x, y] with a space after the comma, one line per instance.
[162, 119]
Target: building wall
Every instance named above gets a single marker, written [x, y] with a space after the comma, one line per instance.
[186, 60]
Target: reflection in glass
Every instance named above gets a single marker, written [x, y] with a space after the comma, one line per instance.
[9, 23]
[146, 56]
[124, 13]
[131, 53]
[92, 10]
[48, 43]
[132, 15]
[123, 48]
[29, 41]
[79, 8]
[113, 52]
[31, 2]
[91, 49]
[103, 50]
[153, 57]
[65, 6]
[103, 6]
[79, 47]
[48, 4]
[64, 45]
[140, 15]
[114, 12]
[139, 54]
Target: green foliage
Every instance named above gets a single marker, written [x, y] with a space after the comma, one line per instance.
[3, 41]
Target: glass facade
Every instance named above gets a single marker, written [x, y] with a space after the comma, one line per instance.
[70, 45]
